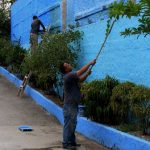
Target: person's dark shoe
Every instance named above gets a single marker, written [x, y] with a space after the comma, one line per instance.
[75, 144]
[65, 147]
[69, 146]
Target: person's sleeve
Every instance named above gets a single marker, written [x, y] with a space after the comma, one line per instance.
[71, 77]
[42, 25]
[74, 76]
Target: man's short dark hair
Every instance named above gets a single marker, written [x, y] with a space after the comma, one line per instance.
[62, 68]
[35, 17]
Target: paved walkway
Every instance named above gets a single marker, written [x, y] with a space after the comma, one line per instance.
[47, 133]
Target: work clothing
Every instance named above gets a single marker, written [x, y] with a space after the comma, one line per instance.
[35, 26]
[71, 89]
[35, 29]
[72, 98]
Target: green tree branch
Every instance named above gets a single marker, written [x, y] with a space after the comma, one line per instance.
[130, 9]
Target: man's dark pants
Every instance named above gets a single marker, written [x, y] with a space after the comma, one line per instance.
[70, 112]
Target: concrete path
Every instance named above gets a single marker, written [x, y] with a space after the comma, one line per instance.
[47, 133]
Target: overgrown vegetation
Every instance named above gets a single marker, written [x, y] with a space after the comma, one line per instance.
[109, 101]
[4, 24]
[140, 97]
[5, 17]
[120, 101]
[11, 55]
[51, 52]
[97, 99]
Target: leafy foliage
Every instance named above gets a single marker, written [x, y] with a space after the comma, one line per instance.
[130, 9]
[4, 24]
[5, 6]
[51, 52]
[5, 3]
[111, 102]
[120, 101]
[97, 99]
[140, 97]
[11, 54]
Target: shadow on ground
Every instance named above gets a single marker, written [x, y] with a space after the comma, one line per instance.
[51, 148]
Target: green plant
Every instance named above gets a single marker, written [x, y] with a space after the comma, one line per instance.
[16, 55]
[130, 9]
[120, 101]
[5, 17]
[127, 127]
[140, 97]
[5, 26]
[51, 52]
[3, 44]
[141, 106]
[96, 96]
[10, 54]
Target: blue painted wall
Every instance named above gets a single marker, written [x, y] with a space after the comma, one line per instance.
[124, 58]
[49, 11]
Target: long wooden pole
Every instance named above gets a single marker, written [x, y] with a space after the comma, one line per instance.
[104, 42]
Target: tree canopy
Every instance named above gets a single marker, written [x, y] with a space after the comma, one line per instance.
[5, 17]
[129, 9]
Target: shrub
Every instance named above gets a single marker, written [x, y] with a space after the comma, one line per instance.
[11, 55]
[4, 22]
[51, 52]
[120, 101]
[111, 102]
[97, 99]
[4, 44]
[140, 97]
[16, 56]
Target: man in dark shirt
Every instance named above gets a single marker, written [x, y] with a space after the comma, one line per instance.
[72, 98]
[35, 29]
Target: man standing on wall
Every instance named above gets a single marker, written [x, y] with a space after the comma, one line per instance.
[35, 30]
[72, 98]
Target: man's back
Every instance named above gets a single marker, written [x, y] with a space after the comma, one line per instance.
[71, 88]
[35, 26]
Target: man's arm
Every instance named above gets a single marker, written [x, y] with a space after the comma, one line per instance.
[42, 25]
[85, 68]
[84, 76]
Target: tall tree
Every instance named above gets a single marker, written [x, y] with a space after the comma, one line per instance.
[5, 17]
